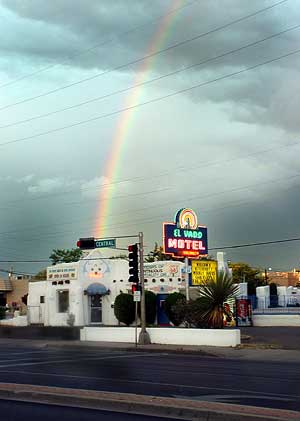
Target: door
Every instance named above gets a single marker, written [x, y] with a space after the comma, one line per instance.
[96, 308]
[162, 318]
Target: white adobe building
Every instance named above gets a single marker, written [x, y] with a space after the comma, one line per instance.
[87, 289]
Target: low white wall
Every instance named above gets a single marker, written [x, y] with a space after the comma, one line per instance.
[171, 336]
[15, 321]
[276, 320]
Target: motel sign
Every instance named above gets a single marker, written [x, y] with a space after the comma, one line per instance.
[184, 237]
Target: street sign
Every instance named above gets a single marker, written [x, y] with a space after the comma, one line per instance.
[111, 243]
[137, 296]
[203, 270]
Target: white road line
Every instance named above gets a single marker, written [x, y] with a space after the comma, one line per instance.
[49, 362]
[183, 386]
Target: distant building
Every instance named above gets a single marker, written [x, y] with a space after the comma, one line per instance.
[285, 279]
[14, 291]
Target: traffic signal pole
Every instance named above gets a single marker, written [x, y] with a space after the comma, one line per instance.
[144, 337]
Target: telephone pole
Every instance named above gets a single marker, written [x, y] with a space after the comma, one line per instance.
[144, 337]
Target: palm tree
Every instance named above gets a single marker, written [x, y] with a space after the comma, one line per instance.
[213, 295]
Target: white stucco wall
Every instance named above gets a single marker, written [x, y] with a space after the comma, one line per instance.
[276, 320]
[172, 336]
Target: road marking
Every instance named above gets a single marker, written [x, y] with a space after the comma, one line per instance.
[183, 386]
[109, 357]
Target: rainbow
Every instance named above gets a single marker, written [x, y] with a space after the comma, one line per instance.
[126, 120]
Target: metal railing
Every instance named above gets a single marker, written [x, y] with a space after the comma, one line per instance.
[277, 304]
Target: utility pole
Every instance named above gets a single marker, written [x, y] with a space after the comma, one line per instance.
[144, 337]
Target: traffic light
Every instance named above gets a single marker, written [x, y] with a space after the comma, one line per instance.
[135, 287]
[86, 243]
[133, 263]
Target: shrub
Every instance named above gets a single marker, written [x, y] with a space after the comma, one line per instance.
[175, 317]
[191, 313]
[124, 309]
[2, 312]
[214, 294]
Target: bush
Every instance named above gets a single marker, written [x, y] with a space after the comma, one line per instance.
[2, 312]
[124, 309]
[174, 316]
[192, 313]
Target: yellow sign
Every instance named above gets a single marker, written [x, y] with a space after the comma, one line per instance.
[203, 270]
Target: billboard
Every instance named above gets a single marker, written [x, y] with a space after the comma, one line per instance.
[184, 237]
[203, 270]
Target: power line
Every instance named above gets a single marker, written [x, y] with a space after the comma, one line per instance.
[256, 244]
[152, 101]
[124, 65]
[192, 66]
[16, 273]
[262, 243]
[147, 220]
[101, 44]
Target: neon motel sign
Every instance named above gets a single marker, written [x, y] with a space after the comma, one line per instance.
[184, 237]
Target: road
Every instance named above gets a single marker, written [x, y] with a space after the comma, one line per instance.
[258, 383]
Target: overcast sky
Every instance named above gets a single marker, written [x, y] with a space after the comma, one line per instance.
[227, 146]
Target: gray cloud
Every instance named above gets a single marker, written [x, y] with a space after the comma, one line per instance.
[223, 149]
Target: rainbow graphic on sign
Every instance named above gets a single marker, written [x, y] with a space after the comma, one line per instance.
[186, 218]
[126, 120]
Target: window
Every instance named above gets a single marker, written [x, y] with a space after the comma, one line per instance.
[42, 299]
[63, 301]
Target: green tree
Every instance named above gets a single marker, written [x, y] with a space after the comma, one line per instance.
[124, 309]
[213, 295]
[170, 307]
[65, 255]
[41, 275]
[242, 272]
[157, 254]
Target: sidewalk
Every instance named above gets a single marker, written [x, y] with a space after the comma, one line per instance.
[253, 352]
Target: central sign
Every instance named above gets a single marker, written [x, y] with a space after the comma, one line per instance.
[99, 244]
[184, 237]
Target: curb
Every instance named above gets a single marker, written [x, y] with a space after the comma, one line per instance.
[140, 348]
[140, 404]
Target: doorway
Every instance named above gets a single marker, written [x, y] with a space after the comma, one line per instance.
[95, 309]
[162, 318]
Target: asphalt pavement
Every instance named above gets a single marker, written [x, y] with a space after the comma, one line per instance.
[275, 336]
[273, 384]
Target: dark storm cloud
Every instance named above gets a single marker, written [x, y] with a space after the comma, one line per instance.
[58, 30]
